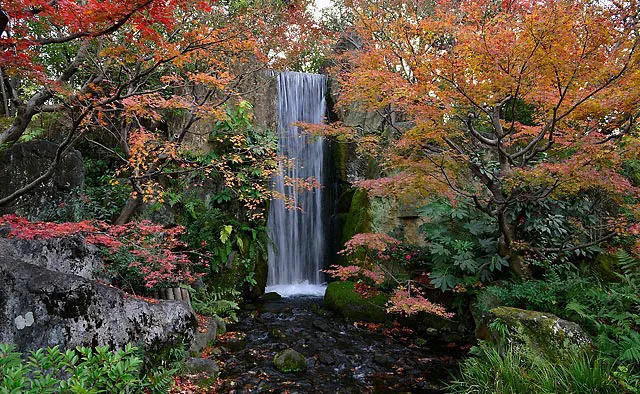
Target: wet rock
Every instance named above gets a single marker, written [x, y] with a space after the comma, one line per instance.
[341, 359]
[271, 296]
[540, 333]
[382, 359]
[276, 307]
[311, 362]
[326, 358]
[321, 325]
[204, 336]
[235, 340]
[290, 361]
[277, 333]
[195, 365]
[267, 316]
[40, 307]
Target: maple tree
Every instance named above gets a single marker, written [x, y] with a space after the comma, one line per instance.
[371, 257]
[510, 103]
[138, 255]
[135, 78]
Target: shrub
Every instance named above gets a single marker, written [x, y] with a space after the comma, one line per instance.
[83, 370]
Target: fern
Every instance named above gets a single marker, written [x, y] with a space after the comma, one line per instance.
[629, 348]
[629, 266]
[224, 293]
[499, 327]
[220, 302]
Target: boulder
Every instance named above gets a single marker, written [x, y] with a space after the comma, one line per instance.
[542, 334]
[41, 307]
[196, 365]
[67, 255]
[22, 163]
[204, 336]
[290, 361]
[271, 296]
[341, 297]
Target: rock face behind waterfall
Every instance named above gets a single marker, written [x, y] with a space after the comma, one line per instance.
[298, 250]
[42, 304]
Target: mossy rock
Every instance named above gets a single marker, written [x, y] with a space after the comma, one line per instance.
[343, 299]
[290, 361]
[537, 333]
[604, 267]
[359, 218]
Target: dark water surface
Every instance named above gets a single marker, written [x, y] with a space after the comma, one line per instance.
[341, 357]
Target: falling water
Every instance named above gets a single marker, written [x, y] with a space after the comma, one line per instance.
[297, 254]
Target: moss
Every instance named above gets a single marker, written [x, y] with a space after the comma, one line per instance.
[604, 267]
[290, 361]
[339, 160]
[538, 333]
[359, 218]
[342, 298]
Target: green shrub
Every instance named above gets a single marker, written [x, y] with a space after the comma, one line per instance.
[462, 246]
[83, 370]
[491, 372]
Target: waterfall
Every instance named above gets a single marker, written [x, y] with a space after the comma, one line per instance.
[298, 250]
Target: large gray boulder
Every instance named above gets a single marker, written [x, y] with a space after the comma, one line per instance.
[22, 163]
[70, 255]
[40, 307]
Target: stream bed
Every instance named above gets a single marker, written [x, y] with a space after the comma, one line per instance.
[342, 357]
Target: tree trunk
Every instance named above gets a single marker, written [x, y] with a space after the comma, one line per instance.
[128, 210]
[505, 245]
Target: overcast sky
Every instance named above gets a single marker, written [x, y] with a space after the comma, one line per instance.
[320, 4]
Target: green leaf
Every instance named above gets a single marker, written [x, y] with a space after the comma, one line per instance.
[225, 233]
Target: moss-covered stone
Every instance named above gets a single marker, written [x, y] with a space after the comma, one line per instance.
[339, 160]
[359, 218]
[343, 299]
[604, 267]
[290, 361]
[537, 333]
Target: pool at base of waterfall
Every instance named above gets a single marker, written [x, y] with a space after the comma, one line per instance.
[301, 289]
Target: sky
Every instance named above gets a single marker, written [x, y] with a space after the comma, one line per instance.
[320, 4]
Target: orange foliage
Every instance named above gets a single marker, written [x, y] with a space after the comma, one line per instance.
[464, 71]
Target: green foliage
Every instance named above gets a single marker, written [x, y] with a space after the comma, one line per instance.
[222, 302]
[554, 223]
[83, 370]
[500, 327]
[221, 238]
[462, 245]
[491, 372]
[610, 311]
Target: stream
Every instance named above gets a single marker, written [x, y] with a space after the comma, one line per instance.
[342, 357]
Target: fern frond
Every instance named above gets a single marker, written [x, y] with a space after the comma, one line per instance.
[629, 266]
[630, 348]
